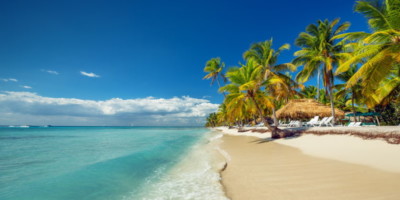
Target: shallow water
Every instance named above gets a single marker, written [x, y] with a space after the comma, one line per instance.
[106, 163]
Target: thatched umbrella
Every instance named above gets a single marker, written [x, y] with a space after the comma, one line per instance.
[306, 108]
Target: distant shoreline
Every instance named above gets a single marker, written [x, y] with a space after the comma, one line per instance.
[16, 126]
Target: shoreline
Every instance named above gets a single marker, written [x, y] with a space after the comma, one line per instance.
[390, 134]
[254, 172]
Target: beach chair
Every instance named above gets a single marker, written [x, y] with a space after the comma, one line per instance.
[288, 124]
[318, 123]
[351, 124]
[281, 123]
[312, 122]
[295, 124]
[327, 122]
[357, 124]
[260, 125]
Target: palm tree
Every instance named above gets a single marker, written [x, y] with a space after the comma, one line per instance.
[309, 92]
[381, 52]
[320, 51]
[212, 120]
[266, 56]
[214, 68]
[322, 98]
[354, 91]
[245, 89]
[222, 115]
[236, 107]
[388, 88]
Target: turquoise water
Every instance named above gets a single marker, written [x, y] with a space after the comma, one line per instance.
[95, 162]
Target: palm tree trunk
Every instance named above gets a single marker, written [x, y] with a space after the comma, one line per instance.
[275, 119]
[219, 86]
[352, 105]
[274, 130]
[332, 106]
[319, 72]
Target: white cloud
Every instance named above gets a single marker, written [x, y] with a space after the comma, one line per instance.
[9, 79]
[91, 74]
[51, 72]
[26, 87]
[30, 108]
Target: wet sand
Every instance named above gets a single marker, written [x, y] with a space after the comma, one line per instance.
[260, 169]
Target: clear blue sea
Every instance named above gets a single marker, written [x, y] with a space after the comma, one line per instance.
[74, 163]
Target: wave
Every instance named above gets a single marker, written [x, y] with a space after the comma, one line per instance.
[195, 176]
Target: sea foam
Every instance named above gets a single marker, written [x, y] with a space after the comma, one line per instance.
[196, 176]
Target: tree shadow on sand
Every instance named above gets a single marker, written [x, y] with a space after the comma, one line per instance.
[269, 139]
[289, 133]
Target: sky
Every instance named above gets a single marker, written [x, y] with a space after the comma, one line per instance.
[136, 62]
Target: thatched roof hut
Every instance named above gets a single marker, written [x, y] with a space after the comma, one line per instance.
[306, 108]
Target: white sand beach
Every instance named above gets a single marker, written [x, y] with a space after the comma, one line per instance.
[310, 167]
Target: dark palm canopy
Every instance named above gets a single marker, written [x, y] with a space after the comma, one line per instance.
[309, 92]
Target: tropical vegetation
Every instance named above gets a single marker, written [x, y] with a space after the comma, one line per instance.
[365, 65]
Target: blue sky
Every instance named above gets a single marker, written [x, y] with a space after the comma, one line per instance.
[97, 51]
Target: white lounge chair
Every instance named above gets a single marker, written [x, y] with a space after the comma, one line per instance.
[357, 124]
[295, 124]
[288, 124]
[327, 122]
[318, 123]
[281, 123]
[313, 121]
[351, 124]
[260, 125]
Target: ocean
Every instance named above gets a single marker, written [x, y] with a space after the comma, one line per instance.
[121, 163]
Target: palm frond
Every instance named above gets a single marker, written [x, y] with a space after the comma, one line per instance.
[375, 13]
[372, 72]
[285, 67]
[353, 36]
[364, 52]
[341, 28]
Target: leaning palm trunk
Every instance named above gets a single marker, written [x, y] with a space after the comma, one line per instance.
[274, 130]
